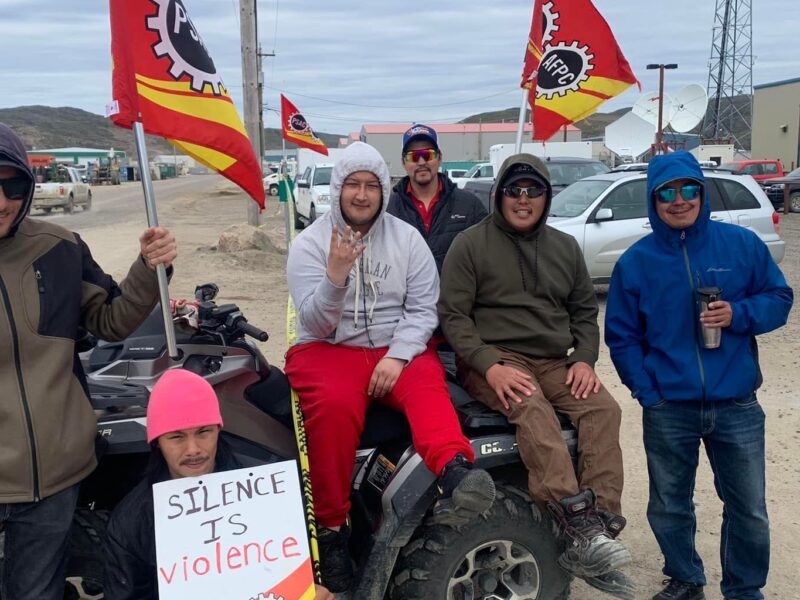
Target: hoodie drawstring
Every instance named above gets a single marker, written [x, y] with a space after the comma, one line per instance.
[360, 282]
[358, 292]
[371, 283]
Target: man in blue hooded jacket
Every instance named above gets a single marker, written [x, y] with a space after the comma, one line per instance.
[692, 393]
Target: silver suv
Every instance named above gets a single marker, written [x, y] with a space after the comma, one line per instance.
[607, 213]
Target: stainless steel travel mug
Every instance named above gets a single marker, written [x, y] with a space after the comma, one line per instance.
[712, 336]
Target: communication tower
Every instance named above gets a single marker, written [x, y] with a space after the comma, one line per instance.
[730, 75]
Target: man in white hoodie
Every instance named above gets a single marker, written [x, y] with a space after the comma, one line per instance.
[365, 287]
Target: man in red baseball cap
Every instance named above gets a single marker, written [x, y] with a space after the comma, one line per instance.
[183, 426]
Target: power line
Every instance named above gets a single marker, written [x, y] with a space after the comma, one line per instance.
[274, 44]
[391, 107]
[275, 34]
[365, 120]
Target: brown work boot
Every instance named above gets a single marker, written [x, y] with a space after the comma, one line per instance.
[613, 523]
[590, 550]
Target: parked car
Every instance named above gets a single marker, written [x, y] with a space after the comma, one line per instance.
[607, 213]
[455, 173]
[775, 190]
[760, 170]
[706, 164]
[630, 167]
[563, 172]
[63, 188]
[312, 194]
[478, 172]
[271, 183]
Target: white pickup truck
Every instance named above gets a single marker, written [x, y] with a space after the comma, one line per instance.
[312, 194]
[64, 190]
[478, 172]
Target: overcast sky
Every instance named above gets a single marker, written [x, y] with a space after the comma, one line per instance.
[345, 62]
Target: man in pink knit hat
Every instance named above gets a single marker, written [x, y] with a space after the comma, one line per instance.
[183, 426]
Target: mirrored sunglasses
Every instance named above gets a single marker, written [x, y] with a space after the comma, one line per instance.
[515, 191]
[427, 154]
[16, 188]
[690, 191]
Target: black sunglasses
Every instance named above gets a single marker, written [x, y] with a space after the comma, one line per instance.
[16, 188]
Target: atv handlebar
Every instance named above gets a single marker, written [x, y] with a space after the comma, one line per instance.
[227, 320]
[252, 331]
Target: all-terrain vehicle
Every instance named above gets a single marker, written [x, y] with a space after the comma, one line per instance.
[401, 552]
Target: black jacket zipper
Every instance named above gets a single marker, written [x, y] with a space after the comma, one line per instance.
[18, 366]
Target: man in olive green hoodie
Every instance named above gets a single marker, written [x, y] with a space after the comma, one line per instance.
[518, 306]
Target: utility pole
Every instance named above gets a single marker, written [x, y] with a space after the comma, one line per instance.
[251, 89]
[261, 104]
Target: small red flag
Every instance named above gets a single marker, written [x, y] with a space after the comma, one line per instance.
[580, 66]
[164, 78]
[295, 128]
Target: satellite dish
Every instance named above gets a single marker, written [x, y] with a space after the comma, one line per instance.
[646, 107]
[630, 135]
[690, 108]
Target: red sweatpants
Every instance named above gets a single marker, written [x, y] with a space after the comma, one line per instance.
[332, 381]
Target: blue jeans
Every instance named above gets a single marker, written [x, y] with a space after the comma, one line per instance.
[733, 435]
[36, 546]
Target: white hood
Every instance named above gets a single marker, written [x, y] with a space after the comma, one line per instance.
[389, 298]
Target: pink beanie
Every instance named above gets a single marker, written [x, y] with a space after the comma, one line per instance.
[181, 400]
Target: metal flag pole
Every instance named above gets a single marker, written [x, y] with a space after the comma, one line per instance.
[287, 210]
[521, 122]
[152, 221]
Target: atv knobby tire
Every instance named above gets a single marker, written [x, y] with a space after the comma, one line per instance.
[479, 557]
[85, 554]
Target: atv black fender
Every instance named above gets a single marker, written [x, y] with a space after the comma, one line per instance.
[408, 497]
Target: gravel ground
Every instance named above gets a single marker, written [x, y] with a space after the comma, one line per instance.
[256, 281]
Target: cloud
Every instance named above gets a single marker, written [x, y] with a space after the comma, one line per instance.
[448, 59]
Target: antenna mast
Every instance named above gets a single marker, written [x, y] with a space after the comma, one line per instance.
[730, 75]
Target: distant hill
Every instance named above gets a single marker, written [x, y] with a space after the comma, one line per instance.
[49, 127]
[594, 125]
[64, 127]
[591, 126]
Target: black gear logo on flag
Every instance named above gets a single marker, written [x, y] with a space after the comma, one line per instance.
[562, 69]
[298, 123]
[182, 44]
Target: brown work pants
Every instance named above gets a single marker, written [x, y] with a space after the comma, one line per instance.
[551, 475]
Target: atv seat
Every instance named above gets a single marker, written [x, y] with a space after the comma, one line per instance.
[385, 425]
[472, 413]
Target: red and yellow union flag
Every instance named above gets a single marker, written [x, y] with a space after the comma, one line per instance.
[164, 78]
[295, 128]
[581, 65]
[534, 50]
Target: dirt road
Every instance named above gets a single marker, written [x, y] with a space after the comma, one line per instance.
[255, 280]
